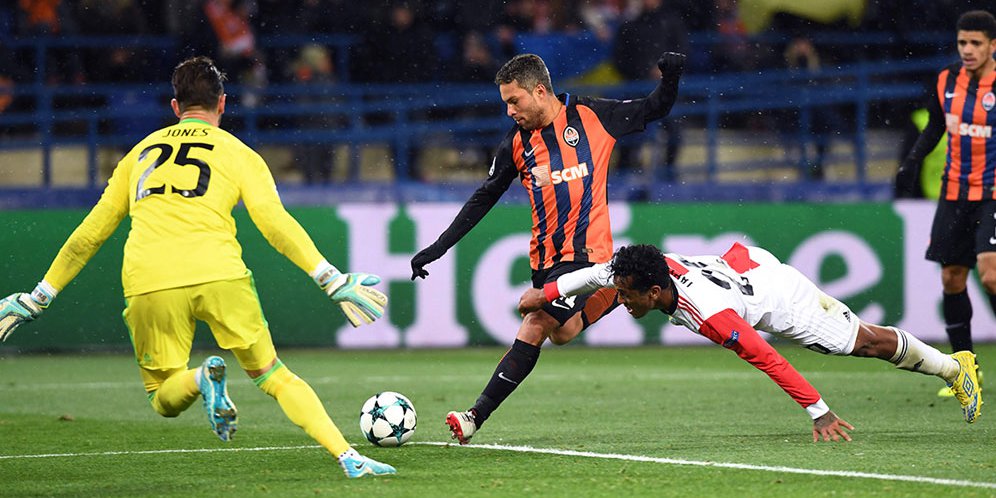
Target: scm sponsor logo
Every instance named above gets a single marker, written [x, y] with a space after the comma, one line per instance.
[975, 131]
[569, 174]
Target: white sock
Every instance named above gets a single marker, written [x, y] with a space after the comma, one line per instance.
[347, 454]
[913, 355]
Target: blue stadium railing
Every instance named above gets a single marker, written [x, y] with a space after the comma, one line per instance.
[406, 117]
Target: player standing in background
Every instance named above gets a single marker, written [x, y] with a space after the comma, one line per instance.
[559, 149]
[182, 263]
[729, 298]
[964, 231]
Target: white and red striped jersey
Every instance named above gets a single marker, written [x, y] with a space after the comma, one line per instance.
[749, 281]
[728, 299]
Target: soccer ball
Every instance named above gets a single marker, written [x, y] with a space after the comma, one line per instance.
[388, 419]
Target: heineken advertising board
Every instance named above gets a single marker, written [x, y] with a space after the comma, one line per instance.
[868, 255]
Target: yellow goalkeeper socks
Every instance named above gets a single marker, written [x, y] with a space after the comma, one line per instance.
[176, 394]
[302, 406]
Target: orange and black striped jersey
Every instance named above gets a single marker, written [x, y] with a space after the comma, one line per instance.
[563, 167]
[963, 108]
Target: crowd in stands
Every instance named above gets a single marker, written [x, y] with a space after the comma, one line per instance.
[427, 40]
[411, 41]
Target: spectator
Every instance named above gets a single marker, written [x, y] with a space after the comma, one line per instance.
[235, 36]
[276, 17]
[43, 17]
[656, 30]
[103, 17]
[476, 65]
[542, 16]
[254, 79]
[400, 49]
[315, 158]
[351, 18]
[734, 51]
[186, 20]
[11, 74]
[475, 15]
[52, 18]
[603, 18]
[6, 92]
[516, 17]
[236, 46]
[118, 64]
[312, 16]
[7, 19]
[695, 15]
[824, 121]
[640, 41]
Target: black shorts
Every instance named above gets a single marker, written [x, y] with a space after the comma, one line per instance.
[961, 231]
[592, 306]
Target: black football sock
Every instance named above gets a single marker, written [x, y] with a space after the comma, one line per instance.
[958, 318]
[513, 368]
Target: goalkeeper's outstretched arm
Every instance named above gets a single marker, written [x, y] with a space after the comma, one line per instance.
[84, 242]
[353, 292]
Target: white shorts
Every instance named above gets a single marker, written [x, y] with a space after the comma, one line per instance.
[815, 320]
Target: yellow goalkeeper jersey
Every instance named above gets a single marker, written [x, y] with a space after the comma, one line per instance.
[179, 185]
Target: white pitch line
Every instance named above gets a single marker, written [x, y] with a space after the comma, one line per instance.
[742, 466]
[155, 452]
[552, 451]
[746, 375]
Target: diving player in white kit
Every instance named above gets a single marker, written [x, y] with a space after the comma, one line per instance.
[729, 298]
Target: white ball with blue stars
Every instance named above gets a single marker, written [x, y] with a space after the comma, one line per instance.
[388, 419]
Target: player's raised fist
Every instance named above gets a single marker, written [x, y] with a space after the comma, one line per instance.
[671, 62]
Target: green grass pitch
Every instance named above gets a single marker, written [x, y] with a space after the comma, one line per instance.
[632, 422]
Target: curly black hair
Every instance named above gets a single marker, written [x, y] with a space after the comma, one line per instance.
[644, 264]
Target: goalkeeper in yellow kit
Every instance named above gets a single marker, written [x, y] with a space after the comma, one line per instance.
[182, 263]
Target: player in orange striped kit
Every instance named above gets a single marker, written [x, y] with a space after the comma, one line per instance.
[559, 150]
[964, 231]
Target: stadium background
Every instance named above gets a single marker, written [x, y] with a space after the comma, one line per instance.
[378, 119]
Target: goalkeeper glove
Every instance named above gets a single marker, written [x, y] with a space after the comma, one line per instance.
[352, 292]
[21, 307]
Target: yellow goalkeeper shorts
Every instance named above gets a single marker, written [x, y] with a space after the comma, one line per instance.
[161, 325]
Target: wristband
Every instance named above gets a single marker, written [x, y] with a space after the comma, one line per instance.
[551, 291]
[818, 409]
[323, 273]
[44, 293]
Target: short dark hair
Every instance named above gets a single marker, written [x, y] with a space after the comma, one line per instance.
[644, 264]
[197, 82]
[978, 20]
[528, 70]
